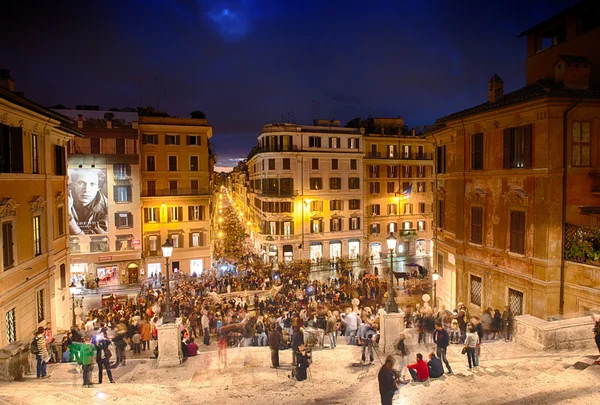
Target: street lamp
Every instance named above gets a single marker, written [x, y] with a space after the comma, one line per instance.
[73, 289]
[167, 250]
[391, 305]
[434, 276]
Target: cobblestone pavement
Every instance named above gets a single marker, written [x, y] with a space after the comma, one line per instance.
[508, 374]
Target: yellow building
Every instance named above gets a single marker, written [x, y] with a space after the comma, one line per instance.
[305, 197]
[398, 170]
[34, 276]
[177, 172]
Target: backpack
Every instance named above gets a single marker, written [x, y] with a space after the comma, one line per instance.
[33, 346]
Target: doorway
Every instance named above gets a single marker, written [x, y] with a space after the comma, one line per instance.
[133, 273]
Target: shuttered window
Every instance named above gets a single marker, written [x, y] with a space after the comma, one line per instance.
[517, 232]
[517, 147]
[441, 159]
[477, 225]
[477, 152]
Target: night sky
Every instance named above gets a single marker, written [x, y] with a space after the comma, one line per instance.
[249, 62]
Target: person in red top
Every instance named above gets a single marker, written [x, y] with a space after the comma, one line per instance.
[192, 348]
[419, 370]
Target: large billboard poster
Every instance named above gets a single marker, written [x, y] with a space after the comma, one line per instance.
[88, 205]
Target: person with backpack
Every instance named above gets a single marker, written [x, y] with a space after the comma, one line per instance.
[39, 348]
[103, 355]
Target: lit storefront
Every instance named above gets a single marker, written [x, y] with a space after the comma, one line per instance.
[335, 249]
[316, 251]
[353, 248]
[273, 254]
[288, 253]
[78, 273]
[154, 270]
[375, 250]
[196, 267]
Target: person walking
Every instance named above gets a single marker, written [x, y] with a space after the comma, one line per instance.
[87, 354]
[204, 321]
[274, 342]
[331, 329]
[471, 342]
[388, 380]
[103, 359]
[442, 340]
[365, 338]
[41, 354]
[402, 353]
[506, 323]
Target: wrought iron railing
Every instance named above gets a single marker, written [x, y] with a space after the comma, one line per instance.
[582, 244]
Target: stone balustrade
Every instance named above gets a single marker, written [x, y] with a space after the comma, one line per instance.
[565, 334]
[15, 361]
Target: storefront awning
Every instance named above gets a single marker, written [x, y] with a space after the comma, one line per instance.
[316, 244]
[333, 242]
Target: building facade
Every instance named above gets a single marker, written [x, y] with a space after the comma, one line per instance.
[517, 188]
[33, 216]
[177, 196]
[104, 198]
[398, 173]
[305, 192]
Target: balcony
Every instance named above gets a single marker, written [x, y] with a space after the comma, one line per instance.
[595, 182]
[399, 156]
[176, 192]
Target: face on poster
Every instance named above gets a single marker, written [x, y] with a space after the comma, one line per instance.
[88, 205]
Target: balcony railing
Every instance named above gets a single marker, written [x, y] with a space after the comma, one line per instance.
[595, 182]
[289, 148]
[400, 156]
[175, 192]
[582, 244]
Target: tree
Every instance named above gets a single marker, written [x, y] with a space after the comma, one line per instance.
[149, 111]
[198, 114]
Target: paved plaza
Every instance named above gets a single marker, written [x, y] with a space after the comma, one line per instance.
[509, 374]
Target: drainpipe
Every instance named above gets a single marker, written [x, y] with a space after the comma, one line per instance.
[561, 309]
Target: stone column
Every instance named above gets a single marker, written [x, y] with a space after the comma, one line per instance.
[169, 345]
[391, 326]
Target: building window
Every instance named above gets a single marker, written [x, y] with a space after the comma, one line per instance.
[176, 240]
[421, 208]
[420, 225]
[150, 139]
[95, 146]
[581, 145]
[335, 224]
[421, 187]
[11, 326]
[440, 213]
[150, 163]
[171, 139]
[440, 264]
[41, 310]
[334, 164]
[195, 213]
[37, 236]
[477, 151]
[392, 209]
[515, 302]
[197, 239]
[334, 143]
[392, 227]
[124, 243]
[375, 209]
[354, 224]
[374, 187]
[286, 164]
[407, 171]
[60, 217]
[151, 188]
[124, 220]
[517, 147]
[476, 290]
[517, 232]
[151, 214]
[288, 228]
[316, 225]
[374, 229]
[63, 276]
[271, 164]
[408, 208]
[122, 194]
[316, 205]
[120, 146]
[315, 164]
[316, 183]
[175, 214]
[354, 204]
[441, 159]
[353, 164]
[335, 183]
[122, 171]
[173, 187]
[392, 171]
[153, 245]
[193, 163]
[374, 171]
[60, 162]
[99, 244]
[354, 183]
[195, 140]
[477, 225]
[421, 171]
[34, 154]
[391, 187]
[314, 141]
[407, 225]
[335, 205]
[194, 186]
[353, 143]
[285, 206]
[172, 163]
[11, 149]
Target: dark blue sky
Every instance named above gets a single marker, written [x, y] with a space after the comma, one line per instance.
[248, 62]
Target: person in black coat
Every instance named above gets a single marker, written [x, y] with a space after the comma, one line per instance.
[442, 340]
[297, 340]
[302, 362]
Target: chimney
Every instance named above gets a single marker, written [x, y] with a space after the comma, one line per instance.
[108, 124]
[6, 81]
[79, 121]
[573, 72]
[495, 89]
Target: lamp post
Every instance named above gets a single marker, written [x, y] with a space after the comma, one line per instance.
[167, 250]
[391, 305]
[435, 276]
[73, 290]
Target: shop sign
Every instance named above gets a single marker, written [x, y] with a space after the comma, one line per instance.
[104, 258]
[136, 242]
